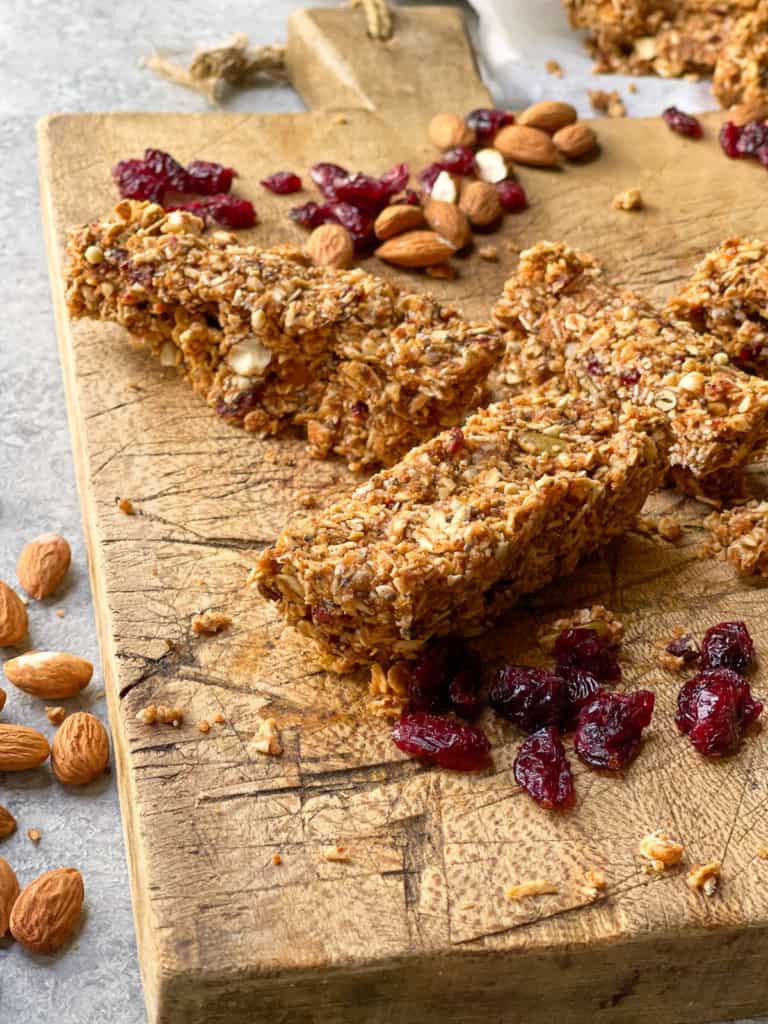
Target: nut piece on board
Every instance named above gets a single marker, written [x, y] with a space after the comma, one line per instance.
[331, 245]
[480, 202]
[9, 892]
[13, 617]
[575, 140]
[43, 564]
[47, 911]
[52, 675]
[415, 249]
[449, 130]
[21, 748]
[549, 115]
[525, 145]
[80, 751]
[394, 220]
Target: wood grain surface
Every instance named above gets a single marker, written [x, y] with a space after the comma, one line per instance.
[415, 927]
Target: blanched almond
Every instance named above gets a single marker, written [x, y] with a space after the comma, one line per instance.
[47, 911]
[9, 893]
[43, 564]
[394, 220]
[491, 165]
[51, 675]
[21, 748]
[449, 130]
[480, 202]
[445, 188]
[549, 115]
[415, 249]
[526, 145]
[575, 140]
[13, 617]
[80, 750]
[449, 222]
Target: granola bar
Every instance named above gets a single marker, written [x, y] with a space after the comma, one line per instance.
[741, 74]
[448, 539]
[728, 297]
[272, 342]
[561, 319]
[740, 536]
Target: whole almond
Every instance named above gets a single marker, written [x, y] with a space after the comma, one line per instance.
[47, 911]
[80, 750]
[549, 115]
[752, 110]
[415, 249]
[448, 221]
[331, 245]
[7, 822]
[575, 140]
[21, 748]
[51, 675]
[527, 145]
[480, 202]
[43, 564]
[394, 220]
[2, 699]
[449, 130]
[9, 893]
[13, 617]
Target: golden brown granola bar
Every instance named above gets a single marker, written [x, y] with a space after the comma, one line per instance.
[728, 297]
[271, 341]
[562, 319]
[449, 538]
[741, 73]
[740, 536]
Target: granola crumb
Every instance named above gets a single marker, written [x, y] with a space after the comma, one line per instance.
[340, 119]
[488, 252]
[442, 271]
[161, 713]
[762, 852]
[34, 834]
[201, 583]
[632, 87]
[669, 528]
[125, 505]
[134, 385]
[55, 715]
[336, 854]
[204, 725]
[153, 570]
[277, 859]
[533, 887]
[60, 613]
[306, 499]
[268, 738]
[210, 623]
[595, 883]
[661, 850]
[554, 67]
[704, 877]
[609, 103]
[219, 719]
[631, 199]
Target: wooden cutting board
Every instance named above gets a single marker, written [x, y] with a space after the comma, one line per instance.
[415, 927]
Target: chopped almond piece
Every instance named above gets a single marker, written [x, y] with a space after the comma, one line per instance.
[533, 887]
[704, 877]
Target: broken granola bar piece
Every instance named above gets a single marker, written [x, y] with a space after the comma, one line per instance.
[740, 536]
[741, 72]
[448, 539]
[562, 320]
[272, 342]
[727, 296]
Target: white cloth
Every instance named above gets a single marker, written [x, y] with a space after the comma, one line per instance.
[518, 37]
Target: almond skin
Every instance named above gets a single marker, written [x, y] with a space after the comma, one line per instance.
[43, 564]
[449, 130]
[9, 893]
[80, 750]
[448, 221]
[13, 617]
[51, 675]
[480, 202]
[526, 145]
[47, 911]
[575, 140]
[7, 823]
[331, 245]
[394, 220]
[21, 748]
[549, 115]
[415, 249]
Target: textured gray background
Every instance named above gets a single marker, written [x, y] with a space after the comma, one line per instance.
[56, 58]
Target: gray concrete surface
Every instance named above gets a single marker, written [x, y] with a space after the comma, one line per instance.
[57, 56]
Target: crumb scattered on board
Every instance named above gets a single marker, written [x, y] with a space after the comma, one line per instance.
[210, 623]
[554, 67]
[161, 713]
[268, 738]
[336, 854]
[595, 883]
[762, 852]
[704, 877]
[532, 887]
[125, 505]
[277, 859]
[630, 199]
[661, 850]
[307, 500]
[489, 253]
[34, 834]
[219, 719]
[204, 725]
[60, 612]
[609, 103]
[55, 715]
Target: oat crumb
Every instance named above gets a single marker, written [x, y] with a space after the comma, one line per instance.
[204, 725]
[268, 738]
[210, 623]
[277, 859]
[134, 385]
[609, 103]
[489, 253]
[34, 834]
[126, 505]
[554, 67]
[704, 877]
[632, 87]
[669, 528]
[340, 119]
[595, 883]
[661, 850]
[306, 499]
[55, 715]
[219, 719]
[533, 887]
[336, 854]
[631, 199]
[60, 613]
[161, 713]
[762, 852]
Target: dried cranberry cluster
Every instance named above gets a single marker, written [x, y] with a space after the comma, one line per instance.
[747, 140]
[158, 178]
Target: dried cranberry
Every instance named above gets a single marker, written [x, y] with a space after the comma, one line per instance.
[135, 180]
[209, 179]
[727, 645]
[442, 741]
[580, 688]
[714, 708]
[683, 647]
[512, 196]
[310, 215]
[529, 697]
[244, 403]
[683, 124]
[230, 211]
[328, 614]
[429, 175]
[282, 182]
[629, 377]
[431, 674]
[362, 191]
[486, 122]
[752, 137]
[359, 223]
[454, 441]
[395, 179]
[542, 769]
[409, 197]
[595, 367]
[588, 650]
[358, 411]
[170, 170]
[609, 728]
[459, 160]
[729, 138]
[323, 175]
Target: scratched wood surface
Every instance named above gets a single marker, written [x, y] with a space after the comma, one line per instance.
[415, 927]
